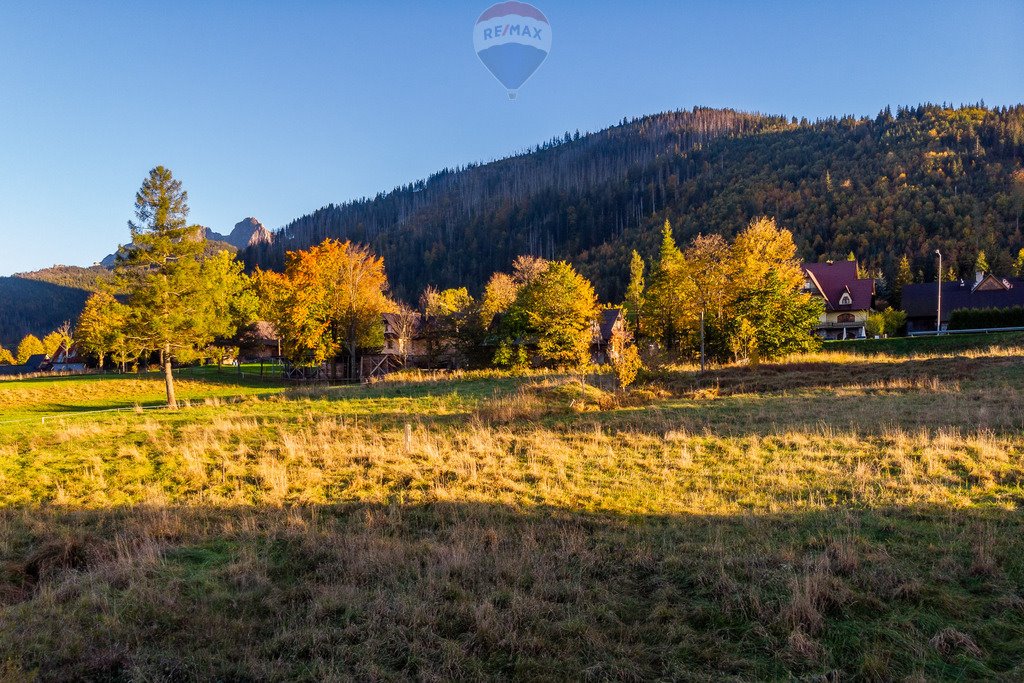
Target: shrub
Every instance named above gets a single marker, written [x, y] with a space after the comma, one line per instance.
[981, 318]
[627, 364]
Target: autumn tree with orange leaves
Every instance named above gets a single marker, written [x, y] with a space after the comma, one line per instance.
[329, 299]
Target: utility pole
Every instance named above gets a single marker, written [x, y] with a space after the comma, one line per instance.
[938, 313]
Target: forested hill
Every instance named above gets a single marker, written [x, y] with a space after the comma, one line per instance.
[907, 182]
[33, 306]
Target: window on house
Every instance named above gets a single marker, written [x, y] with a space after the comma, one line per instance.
[846, 318]
[845, 299]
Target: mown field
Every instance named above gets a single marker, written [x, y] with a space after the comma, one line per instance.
[840, 516]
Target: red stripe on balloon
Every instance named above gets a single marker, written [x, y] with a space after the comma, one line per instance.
[519, 8]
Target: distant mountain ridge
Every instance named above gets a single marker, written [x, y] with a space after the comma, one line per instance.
[903, 183]
[248, 232]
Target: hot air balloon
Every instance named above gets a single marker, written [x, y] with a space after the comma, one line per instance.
[512, 39]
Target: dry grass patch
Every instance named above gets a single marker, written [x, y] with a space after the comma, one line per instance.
[857, 523]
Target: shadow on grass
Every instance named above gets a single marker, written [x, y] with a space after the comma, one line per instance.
[463, 590]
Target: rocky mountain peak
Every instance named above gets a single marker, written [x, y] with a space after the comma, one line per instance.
[248, 232]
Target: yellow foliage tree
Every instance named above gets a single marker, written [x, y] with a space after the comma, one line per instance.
[499, 293]
[28, 347]
[101, 326]
[764, 248]
[330, 298]
[52, 343]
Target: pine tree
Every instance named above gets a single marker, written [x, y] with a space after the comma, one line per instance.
[981, 263]
[1017, 192]
[173, 308]
[1018, 264]
[634, 301]
[662, 312]
[904, 277]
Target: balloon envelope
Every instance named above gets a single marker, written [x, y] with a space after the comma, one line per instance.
[512, 39]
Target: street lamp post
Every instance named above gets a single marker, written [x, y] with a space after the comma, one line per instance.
[938, 312]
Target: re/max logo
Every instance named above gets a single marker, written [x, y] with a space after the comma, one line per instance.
[512, 30]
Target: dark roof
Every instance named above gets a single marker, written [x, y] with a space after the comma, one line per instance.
[393, 322]
[265, 331]
[259, 333]
[919, 301]
[33, 365]
[68, 356]
[833, 279]
[606, 322]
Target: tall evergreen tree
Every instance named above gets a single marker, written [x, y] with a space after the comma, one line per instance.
[634, 301]
[981, 263]
[173, 308]
[904, 277]
[662, 313]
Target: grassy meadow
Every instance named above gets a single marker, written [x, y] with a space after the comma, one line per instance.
[844, 515]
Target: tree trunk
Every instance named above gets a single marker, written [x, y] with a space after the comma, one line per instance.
[169, 378]
[353, 345]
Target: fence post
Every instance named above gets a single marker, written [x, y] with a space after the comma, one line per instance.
[408, 437]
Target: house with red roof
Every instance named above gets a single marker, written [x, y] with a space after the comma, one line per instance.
[847, 298]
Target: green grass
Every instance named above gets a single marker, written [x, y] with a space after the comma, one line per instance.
[948, 343]
[839, 515]
[40, 397]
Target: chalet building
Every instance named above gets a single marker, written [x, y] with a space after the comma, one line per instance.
[610, 321]
[69, 360]
[34, 364]
[404, 346]
[920, 302]
[403, 335]
[259, 341]
[847, 298]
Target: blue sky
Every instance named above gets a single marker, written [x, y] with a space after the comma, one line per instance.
[273, 109]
